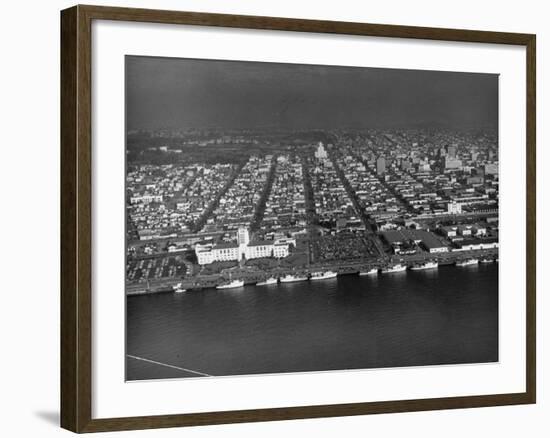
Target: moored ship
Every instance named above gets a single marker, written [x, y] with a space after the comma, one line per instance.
[291, 278]
[178, 289]
[323, 275]
[486, 260]
[425, 265]
[467, 262]
[270, 280]
[231, 284]
[372, 271]
[394, 268]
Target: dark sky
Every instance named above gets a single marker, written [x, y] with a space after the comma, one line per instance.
[190, 93]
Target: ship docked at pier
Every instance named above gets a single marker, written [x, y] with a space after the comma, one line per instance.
[394, 268]
[425, 265]
[323, 275]
[177, 288]
[372, 271]
[268, 281]
[231, 284]
[486, 260]
[290, 278]
[467, 262]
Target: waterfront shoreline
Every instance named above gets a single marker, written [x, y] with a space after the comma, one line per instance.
[251, 277]
[348, 322]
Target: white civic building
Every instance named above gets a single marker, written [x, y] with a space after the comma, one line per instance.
[243, 248]
[321, 153]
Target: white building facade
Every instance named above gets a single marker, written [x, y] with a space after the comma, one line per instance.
[244, 248]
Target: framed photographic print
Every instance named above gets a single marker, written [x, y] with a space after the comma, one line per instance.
[269, 218]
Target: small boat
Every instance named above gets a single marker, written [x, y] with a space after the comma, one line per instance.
[323, 275]
[270, 280]
[425, 265]
[231, 284]
[372, 271]
[467, 262]
[395, 268]
[291, 278]
[486, 261]
[178, 289]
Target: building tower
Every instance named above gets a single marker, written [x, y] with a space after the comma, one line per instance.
[380, 165]
[321, 153]
[243, 239]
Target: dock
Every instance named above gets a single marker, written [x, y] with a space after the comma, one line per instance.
[252, 276]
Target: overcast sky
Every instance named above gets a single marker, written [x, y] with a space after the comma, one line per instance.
[190, 93]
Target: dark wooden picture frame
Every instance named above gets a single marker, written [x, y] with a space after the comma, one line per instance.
[76, 218]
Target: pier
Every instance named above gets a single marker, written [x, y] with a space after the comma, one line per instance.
[253, 275]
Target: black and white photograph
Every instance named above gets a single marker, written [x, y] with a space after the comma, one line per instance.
[275, 219]
[292, 218]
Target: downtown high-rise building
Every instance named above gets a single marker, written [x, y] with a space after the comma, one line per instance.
[451, 151]
[380, 166]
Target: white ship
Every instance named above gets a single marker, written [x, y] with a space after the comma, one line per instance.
[425, 265]
[270, 280]
[231, 284]
[486, 261]
[323, 275]
[467, 262]
[372, 271]
[178, 289]
[395, 268]
[291, 278]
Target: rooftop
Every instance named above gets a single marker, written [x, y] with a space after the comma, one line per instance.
[225, 245]
[261, 243]
[427, 238]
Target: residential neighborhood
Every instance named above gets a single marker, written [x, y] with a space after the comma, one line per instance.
[346, 201]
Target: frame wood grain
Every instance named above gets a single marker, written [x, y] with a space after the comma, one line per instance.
[76, 173]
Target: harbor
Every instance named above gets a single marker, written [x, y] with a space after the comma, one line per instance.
[241, 276]
[406, 319]
[294, 245]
